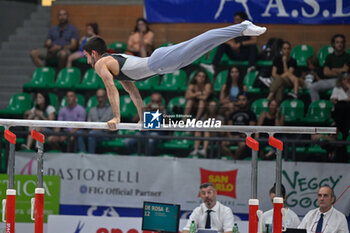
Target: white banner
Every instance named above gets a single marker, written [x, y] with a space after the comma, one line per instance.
[127, 181]
[23, 228]
[88, 224]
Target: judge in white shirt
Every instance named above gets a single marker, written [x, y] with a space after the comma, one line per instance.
[325, 219]
[292, 219]
[211, 214]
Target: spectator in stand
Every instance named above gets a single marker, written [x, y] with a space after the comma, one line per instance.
[341, 100]
[230, 90]
[314, 72]
[61, 42]
[198, 93]
[41, 111]
[335, 64]
[131, 143]
[270, 118]
[283, 69]
[211, 113]
[241, 116]
[72, 112]
[91, 30]
[140, 42]
[240, 48]
[100, 113]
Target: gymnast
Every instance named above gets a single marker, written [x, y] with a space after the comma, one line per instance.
[127, 69]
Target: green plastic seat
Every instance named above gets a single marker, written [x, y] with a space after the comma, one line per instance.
[319, 113]
[226, 61]
[92, 102]
[292, 110]
[118, 46]
[316, 149]
[166, 44]
[259, 106]
[301, 53]
[210, 76]
[173, 81]
[41, 79]
[148, 84]
[118, 141]
[220, 80]
[249, 80]
[147, 100]
[54, 100]
[127, 107]
[18, 104]
[176, 105]
[323, 53]
[206, 58]
[67, 78]
[80, 101]
[179, 144]
[91, 81]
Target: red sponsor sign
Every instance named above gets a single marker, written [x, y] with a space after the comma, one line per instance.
[225, 182]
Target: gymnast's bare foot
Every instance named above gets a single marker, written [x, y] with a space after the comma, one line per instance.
[252, 29]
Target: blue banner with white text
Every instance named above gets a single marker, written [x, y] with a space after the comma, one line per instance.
[259, 11]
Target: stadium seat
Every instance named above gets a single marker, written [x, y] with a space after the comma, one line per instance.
[178, 144]
[249, 80]
[147, 100]
[148, 84]
[210, 76]
[41, 79]
[18, 104]
[323, 52]
[301, 53]
[226, 61]
[54, 100]
[292, 110]
[206, 58]
[319, 113]
[173, 81]
[127, 107]
[118, 46]
[220, 80]
[259, 106]
[80, 101]
[91, 81]
[118, 141]
[92, 102]
[176, 105]
[67, 78]
[166, 44]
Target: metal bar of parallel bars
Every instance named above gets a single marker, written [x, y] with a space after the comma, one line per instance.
[133, 126]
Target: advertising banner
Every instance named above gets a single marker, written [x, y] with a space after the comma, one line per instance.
[128, 181]
[84, 224]
[25, 190]
[259, 11]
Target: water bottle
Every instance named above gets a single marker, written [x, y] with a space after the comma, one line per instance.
[235, 229]
[267, 228]
[193, 227]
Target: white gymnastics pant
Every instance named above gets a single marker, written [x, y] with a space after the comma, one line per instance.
[169, 59]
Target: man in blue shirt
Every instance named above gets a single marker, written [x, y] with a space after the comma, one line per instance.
[61, 41]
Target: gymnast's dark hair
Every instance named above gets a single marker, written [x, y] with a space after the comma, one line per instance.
[96, 43]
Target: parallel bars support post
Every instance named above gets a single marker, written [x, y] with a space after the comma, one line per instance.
[278, 200]
[38, 201]
[9, 204]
